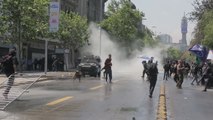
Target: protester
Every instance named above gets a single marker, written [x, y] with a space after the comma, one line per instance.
[209, 75]
[108, 68]
[144, 69]
[152, 75]
[180, 74]
[195, 74]
[166, 68]
[9, 63]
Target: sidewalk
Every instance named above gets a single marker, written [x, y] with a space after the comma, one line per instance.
[31, 76]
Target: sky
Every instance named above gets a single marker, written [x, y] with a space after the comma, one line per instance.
[164, 16]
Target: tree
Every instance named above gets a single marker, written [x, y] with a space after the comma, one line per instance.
[23, 21]
[123, 23]
[174, 53]
[208, 29]
[73, 31]
[203, 12]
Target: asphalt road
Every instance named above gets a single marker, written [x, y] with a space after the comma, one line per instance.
[94, 99]
[189, 103]
[91, 99]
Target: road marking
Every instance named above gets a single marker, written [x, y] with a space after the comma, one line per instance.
[59, 101]
[97, 87]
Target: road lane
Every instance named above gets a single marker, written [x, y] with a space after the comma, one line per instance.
[59, 100]
[125, 98]
[188, 103]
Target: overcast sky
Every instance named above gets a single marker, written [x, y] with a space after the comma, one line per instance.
[164, 16]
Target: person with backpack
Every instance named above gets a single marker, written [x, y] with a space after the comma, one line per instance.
[152, 75]
[9, 63]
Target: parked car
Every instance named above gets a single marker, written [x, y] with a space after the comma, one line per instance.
[90, 65]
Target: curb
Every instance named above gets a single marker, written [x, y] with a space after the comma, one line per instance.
[162, 112]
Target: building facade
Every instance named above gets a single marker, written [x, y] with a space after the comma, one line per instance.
[93, 10]
[165, 38]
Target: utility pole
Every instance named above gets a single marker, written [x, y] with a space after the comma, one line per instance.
[101, 17]
[19, 36]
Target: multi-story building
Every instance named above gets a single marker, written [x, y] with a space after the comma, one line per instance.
[93, 10]
[165, 38]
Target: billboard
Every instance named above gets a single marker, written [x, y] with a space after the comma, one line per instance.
[54, 16]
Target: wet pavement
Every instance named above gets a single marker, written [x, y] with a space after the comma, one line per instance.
[91, 99]
[189, 103]
[94, 99]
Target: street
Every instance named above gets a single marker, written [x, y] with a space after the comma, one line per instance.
[94, 99]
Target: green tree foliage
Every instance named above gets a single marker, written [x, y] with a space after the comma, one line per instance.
[123, 22]
[203, 14]
[29, 18]
[208, 29]
[174, 53]
[73, 30]
[23, 19]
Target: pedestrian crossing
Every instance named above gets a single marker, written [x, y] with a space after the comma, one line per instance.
[16, 91]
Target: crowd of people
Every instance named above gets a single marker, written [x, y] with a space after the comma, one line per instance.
[180, 70]
[201, 73]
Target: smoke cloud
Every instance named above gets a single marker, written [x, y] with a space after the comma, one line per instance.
[101, 45]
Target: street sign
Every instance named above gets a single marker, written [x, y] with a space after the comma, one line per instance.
[54, 16]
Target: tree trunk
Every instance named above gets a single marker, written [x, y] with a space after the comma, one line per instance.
[73, 57]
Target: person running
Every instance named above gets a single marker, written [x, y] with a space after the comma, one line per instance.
[166, 68]
[180, 74]
[209, 75]
[108, 68]
[144, 69]
[195, 74]
[9, 63]
[152, 75]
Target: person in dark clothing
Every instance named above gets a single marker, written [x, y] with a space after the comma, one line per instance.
[203, 73]
[209, 75]
[108, 68]
[35, 63]
[152, 75]
[148, 66]
[195, 74]
[144, 69]
[187, 69]
[9, 63]
[166, 68]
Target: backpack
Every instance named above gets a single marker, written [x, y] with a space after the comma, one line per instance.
[152, 69]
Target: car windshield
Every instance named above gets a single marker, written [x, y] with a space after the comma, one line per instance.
[88, 60]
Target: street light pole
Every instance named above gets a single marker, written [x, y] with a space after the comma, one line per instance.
[101, 17]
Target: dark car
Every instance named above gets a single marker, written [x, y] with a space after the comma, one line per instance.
[90, 65]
